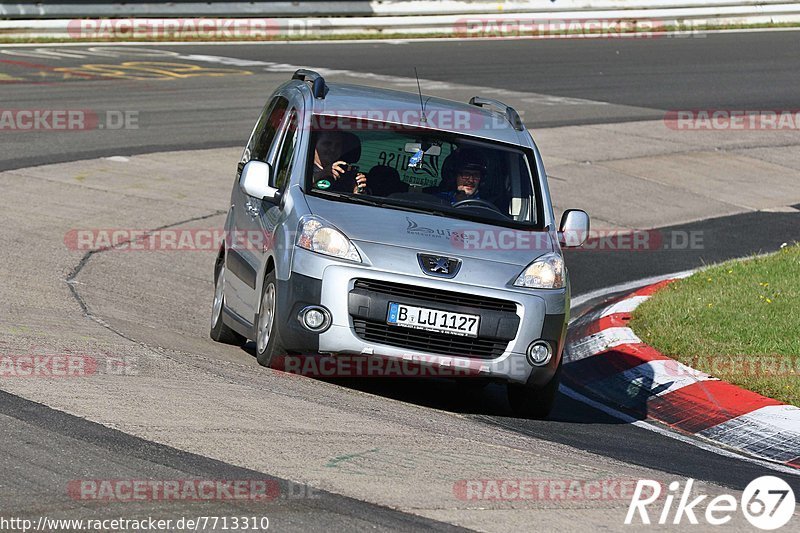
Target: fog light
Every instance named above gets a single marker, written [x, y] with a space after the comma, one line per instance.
[313, 318]
[539, 353]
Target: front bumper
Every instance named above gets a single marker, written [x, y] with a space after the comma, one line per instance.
[350, 307]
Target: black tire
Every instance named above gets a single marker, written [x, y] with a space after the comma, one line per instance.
[534, 402]
[267, 353]
[219, 331]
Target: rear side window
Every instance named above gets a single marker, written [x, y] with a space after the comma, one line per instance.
[267, 128]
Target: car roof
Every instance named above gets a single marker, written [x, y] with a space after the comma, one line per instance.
[389, 105]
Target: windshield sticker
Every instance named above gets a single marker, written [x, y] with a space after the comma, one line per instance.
[323, 184]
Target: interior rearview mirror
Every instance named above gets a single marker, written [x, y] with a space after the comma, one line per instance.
[574, 228]
[414, 147]
[255, 181]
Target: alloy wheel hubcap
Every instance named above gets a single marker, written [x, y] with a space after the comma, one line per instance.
[266, 317]
[219, 294]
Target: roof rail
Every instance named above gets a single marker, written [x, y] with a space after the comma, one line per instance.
[318, 86]
[511, 114]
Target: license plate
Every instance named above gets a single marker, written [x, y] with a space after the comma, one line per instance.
[433, 320]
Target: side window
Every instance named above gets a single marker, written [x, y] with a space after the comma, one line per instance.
[283, 163]
[267, 129]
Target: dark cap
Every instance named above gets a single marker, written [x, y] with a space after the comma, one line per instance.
[470, 159]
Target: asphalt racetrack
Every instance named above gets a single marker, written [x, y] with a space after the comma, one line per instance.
[378, 453]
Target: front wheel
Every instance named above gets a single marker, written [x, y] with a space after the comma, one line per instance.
[219, 331]
[268, 345]
[534, 402]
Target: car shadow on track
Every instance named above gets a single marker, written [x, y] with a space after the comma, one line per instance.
[489, 401]
[461, 395]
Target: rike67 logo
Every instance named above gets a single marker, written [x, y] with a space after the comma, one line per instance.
[768, 503]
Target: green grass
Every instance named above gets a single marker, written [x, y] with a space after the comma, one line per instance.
[687, 29]
[738, 321]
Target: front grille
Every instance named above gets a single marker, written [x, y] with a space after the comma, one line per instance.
[436, 295]
[428, 341]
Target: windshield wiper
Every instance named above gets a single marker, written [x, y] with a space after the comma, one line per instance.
[418, 208]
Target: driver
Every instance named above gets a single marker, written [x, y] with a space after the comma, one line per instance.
[470, 168]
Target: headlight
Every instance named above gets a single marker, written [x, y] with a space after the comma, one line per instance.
[319, 236]
[547, 272]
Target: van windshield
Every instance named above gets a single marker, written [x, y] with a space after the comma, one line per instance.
[422, 170]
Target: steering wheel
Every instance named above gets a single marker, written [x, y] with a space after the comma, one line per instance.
[477, 202]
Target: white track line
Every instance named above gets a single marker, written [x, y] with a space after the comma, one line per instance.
[628, 286]
[633, 285]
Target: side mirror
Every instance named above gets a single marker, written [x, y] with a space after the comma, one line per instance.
[255, 181]
[574, 228]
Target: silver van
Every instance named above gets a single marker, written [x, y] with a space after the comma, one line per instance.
[375, 223]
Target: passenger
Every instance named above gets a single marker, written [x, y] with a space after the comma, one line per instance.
[331, 168]
[469, 168]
